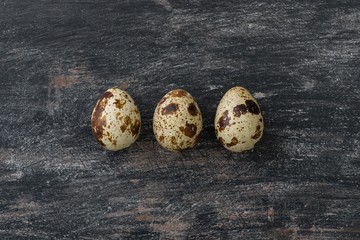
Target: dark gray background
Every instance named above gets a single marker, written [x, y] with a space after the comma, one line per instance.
[300, 59]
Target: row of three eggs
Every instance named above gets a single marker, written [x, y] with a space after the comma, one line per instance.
[177, 120]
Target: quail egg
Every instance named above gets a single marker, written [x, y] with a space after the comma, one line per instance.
[177, 121]
[239, 124]
[116, 120]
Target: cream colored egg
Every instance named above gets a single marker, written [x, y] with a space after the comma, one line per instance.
[238, 122]
[116, 120]
[177, 121]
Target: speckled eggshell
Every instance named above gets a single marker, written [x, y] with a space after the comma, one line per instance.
[238, 121]
[116, 120]
[177, 121]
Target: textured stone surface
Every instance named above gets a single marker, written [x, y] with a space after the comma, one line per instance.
[300, 59]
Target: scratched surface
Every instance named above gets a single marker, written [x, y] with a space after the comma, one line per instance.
[300, 59]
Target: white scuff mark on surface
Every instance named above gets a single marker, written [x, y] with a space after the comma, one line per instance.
[165, 4]
[259, 95]
[213, 87]
[309, 85]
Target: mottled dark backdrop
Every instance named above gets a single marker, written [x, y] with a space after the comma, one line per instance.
[300, 59]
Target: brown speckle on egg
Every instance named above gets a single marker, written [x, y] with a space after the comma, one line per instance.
[127, 121]
[189, 130]
[123, 127]
[239, 110]
[135, 128]
[106, 95]
[233, 142]
[98, 120]
[252, 106]
[224, 121]
[257, 132]
[169, 109]
[119, 103]
[98, 125]
[192, 109]
[113, 141]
